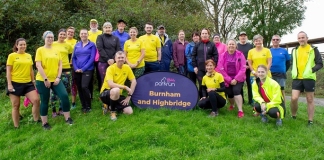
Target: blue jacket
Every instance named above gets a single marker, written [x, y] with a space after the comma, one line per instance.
[166, 49]
[188, 53]
[83, 57]
[123, 37]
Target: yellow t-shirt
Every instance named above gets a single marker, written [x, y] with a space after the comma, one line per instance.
[151, 43]
[214, 82]
[50, 59]
[71, 42]
[93, 36]
[117, 75]
[65, 49]
[21, 67]
[302, 57]
[259, 57]
[133, 50]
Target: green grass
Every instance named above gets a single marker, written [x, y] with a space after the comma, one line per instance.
[161, 134]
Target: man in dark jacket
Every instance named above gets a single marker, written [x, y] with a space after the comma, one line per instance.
[166, 49]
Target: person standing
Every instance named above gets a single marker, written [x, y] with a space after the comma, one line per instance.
[70, 40]
[65, 50]
[195, 39]
[112, 89]
[221, 47]
[179, 59]
[83, 66]
[121, 34]
[166, 49]
[49, 66]
[280, 63]
[231, 65]
[135, 52]
[306, 61]
[245, 47]
[152, 46]
[20, 79]
[107, 45]
[203, 51]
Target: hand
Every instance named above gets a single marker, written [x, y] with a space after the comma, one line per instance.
[125, 101]
[247, 67]
[233, 82]
[211, 89]
[57, 81]
[196, 70]
[111, 61]
[202, 98]
[254, 73]
[78, 71]
[133, 66]
[10, 88]
[129, 90]
[47, 84]
[263, 108]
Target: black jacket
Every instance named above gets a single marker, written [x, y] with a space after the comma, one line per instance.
[199, 56]
[107, 46]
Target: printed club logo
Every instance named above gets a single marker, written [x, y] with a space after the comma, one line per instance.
[165, 82]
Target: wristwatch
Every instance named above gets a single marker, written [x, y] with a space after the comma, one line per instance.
[45, 79]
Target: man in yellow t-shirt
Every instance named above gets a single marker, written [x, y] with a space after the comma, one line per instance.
[152, 45]
[113, 85]
[94, 32]
[306, 61]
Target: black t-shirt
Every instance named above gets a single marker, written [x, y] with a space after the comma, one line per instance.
[244, 48]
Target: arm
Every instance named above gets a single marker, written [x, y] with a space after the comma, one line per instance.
[171, 50]
[115, 85]
[276, 96]
[269, 60]
[74, 59]
[242, 70]
[40, 69]
[287, 65]
[175, 58]
[222, 87]
[255, 92]
[318, 61]
[100, 46]
[159, 53]
[194, 56]
[32, 77]
[221, 70]
[204, 91]
[8, 73]
[142, 56]
[91, 60]
[214, 53]
[118, 47]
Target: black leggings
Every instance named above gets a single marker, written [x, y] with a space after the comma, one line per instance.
[273, 112]
[200, 75]
[249, 86]
[192, 77]
[83, 82]
[235, 90]
[213, 101]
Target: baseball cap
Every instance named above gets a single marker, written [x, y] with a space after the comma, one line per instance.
[242, 33]
[119, 21]
[161, 26]
[93, 20]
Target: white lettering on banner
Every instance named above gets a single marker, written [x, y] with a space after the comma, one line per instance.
[166, 82]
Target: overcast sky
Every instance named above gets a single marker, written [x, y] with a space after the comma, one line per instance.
[312, 24]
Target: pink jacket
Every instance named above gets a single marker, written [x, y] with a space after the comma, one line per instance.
[240, 67]
[221, 48]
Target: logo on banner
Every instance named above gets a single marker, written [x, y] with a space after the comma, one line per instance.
[158, 90]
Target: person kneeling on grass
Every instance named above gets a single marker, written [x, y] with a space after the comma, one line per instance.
[268, 97]
[212, 85]
[113, 85]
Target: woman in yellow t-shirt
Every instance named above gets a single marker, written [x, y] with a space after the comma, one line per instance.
[135, 52]
[213, 89]
[65, 50]
[20, 79]
[49, 65]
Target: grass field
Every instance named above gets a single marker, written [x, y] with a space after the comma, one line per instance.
[161, 134]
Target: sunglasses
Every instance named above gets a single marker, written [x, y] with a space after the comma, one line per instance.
[276, 39]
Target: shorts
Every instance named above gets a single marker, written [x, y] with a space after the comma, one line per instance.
[281, 82]
[21, 89]
[304, 84]
[105, 98]
[235, 90]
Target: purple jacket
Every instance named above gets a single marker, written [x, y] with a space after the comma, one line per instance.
[240, 67]
[179, 53]
[83, 57]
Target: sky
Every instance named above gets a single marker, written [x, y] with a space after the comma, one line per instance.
[312, 24]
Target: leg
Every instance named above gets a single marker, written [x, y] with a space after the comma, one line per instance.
[53, 100]
[60, 90]
[200, 75]
[204, 104]
[230, 95]
[78, 80]
[128, 110]
[86, 82]
[15, 102]
[74, 90]
[102, 67]
[34, 98]
[98, 75]
[114, 97]
[310, 105]
[213, 100]
[44, 94]
[237, 95]
[249, 86]
[192, 77]
[274, 113]
[297, 86]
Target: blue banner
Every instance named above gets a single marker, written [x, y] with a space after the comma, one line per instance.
[165, 90]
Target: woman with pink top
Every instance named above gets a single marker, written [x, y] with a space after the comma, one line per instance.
[221, 47]
[231, 65]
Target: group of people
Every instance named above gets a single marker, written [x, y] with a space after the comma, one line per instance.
[114, 57]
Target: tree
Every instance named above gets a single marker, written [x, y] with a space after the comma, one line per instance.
[270, 17]
[224, 15]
